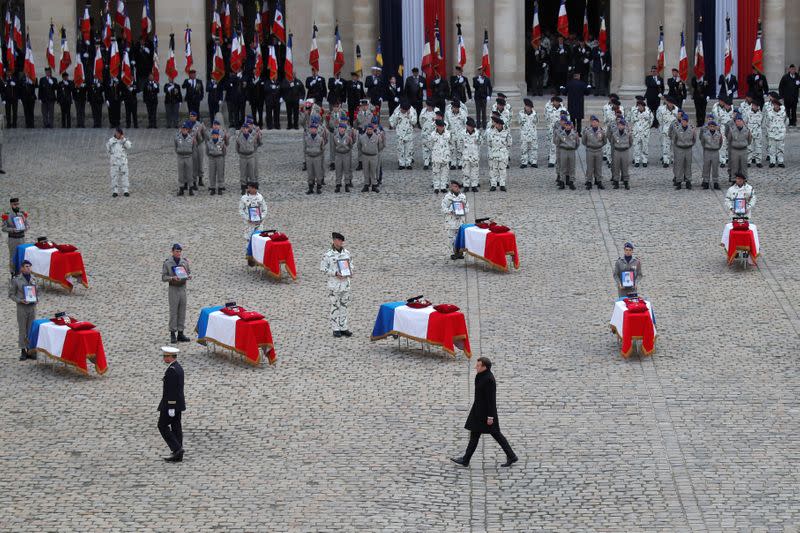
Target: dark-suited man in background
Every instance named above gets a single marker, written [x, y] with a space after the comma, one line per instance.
[483, 415]
[172, 405]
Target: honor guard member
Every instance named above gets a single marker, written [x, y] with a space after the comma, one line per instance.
[740, 189]
[184, 148]
[28, 97]
[254, 90]
[172, 102]
[414, 90]
[500, 104]
[314, 150]
[723, 115]
[343, 140]
[498, 143]
[338, 265]
[11, 97]
[440, 90]
[131, 105]
[233, 96]
[213, 97]
[482, 87]
[739, 138]
[627, 263]
[114, 102]
[394, 94]
[459, 87]
[711, 141]
[456, 119]
[331, 123]
[641, 120]
[754, 120]
[175, 271]
[455, 208]
[248, 139]
[539, 67]
[371, 143]
[728, 87]
[472, 139]
[789, 88]
[376, 89]
[272, 103]
[315, 87]
[355, 93]
[594, 138]
[676, 88]
[200, 135]
[683, 136]
[216, 150]
[292, 91]
[150, 97]
[15, 223]
[96, 100]
[700, 89]
[666, 116]
[79, 95]
[403, 120]
[48, 87]
[558, 128]
[172, 405]
[64, 94]
[552, 112]
[363, 117]
[117, 148]
[193, 92]
[654, 93]
[610, 122]
[337, 89]
[776, 122]
[253, 210]
[439, 143]
[427, 121]
[568, 142]
[622, 139]
[529, 136]
[23, 290]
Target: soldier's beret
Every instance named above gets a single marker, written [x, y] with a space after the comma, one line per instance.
[343, 125]
[684, 116]
[740, 175]
[501, 101]
[669, 99]
[337, 235]
[622, 121]
[791, 66]
[309, 103]
[193, 112]
[641, 102]
[564, 113]
[186, 125]
[639, 98]
[375, 120]
[528, 102]
[118, 130]
[415, 69]
[177, 246]
[215, 132]
[594, 117]
[614, 96]
[456, 103]
[615, 101]
[495, 113]
[404, 105]
[26, 262]
[470, 121]
[364, 101]
[253, 184]
[455, 182]
[712, 123]
[429, 101]
[629, 245]
[501, 95]
[557, 99]
[169, 350]
[13, 200]
[737, 116]
[497, 120]
[438, 112]
[568, 123]
[729, 100]
[653, 67]
[249, 119]
[369, 125]
[774, 94]
[314, 124]
[439, 122]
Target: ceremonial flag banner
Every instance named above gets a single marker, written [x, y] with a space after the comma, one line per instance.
[114, 60]
[603, 37]
[585, 27]
[216, 23]
[127, 73]
[728, 56]
[78, 76]
[699, 60]
[758, 53]
[536, 28]
[359, 67]
[51, 57]
[155, 70]
[436, 27]
[259, 62]
[18, 33]
[563, 21]
[338, 54]
[313, 54]
[147, 23]
[11, 59]
[379, 54]
[98, 63]
[127, 34]
[683, 62]
[86, 24]
[226, 20]
[219, 64]
[273, 63]
[107, 32]
[278, 26]
[30, 61]
[485, 62]
[8, 23]
[237, 53]
[120, 15]
[427, 59]
[170, 69]
[462, 49]
[66, 58]
[660, 57]
[259, 26]
[187, 38]
[288, 65]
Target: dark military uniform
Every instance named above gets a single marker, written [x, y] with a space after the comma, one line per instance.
[272, 104]
[292, 91]
[79, 95]
[114, 99]
[193, 94]
[28, 97]
[214, 97]
[355, 92]
[233, 93]
[64, 94]
[11, 96]
[440, 91]
[483, 91]
[96, 100]
[413, 91]
[255, 95]
[48, 87]
[172, 103]
[459, 88]
[150, 97]
[315, 88]
[172, 402]
[337, 90]
[131, 105]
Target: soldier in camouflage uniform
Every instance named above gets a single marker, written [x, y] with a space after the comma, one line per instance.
[754, 119]
[666, 115]
[641, 120]
[472, 139]
[117, 148]
[15, 228]
[338, 284]
[739, 138]
[439, 143]
[567, 142]
[456, 120]
[216, 149]
[427, 119]
[498, 141]
[594, 139]
[610, 121]
[723, 116]
[247, 141]
[403, 120]
[552, 112]
[314, 150]
[529, 136]
[452, 219]
[776, 122]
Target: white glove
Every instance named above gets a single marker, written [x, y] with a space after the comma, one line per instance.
[171, 413]
[488, 98]
[708, 98]
[281, 100]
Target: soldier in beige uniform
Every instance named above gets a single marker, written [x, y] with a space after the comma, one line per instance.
[184, 148]
[567, 142]
[15, 223]
[200, 135]
[370, 144]
[314, 151]
[627, 263]
[594, 138]
[343, 140]
[172, 272]
[621, 140]
[683, 136]
[26, 306]
[363, 117]
[739, 138]
[711, 141]
[216, 150]
[248, 139]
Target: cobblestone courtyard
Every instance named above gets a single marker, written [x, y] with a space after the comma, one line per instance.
[346, 434]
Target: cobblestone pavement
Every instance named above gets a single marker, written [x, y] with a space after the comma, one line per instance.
[346, 434]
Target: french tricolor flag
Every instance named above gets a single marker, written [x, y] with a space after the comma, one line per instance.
[51, 57]
[683, 62]
[448, 330]
[278, 26]
[73, 346]
[246, 337]
[563, 21]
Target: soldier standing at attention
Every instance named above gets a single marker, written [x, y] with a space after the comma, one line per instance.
[337, 89]
[482, 87]
[172, 102]
[642, 119]
[371, 144]
[666, 116]
[172, 405]
[739, 138]
[28, 97]
[622, 140]
[567, 142]
[552, 112]
[64, 94]
[403, 120]
[184, 148]
[427, 122]
[363, 117]
[253, 210]
[47, 95]
[175, 271]
[472, 139]
[498, 142]
[314, 150]
[723, 115]
[96, 101]
[355, 92]
[394, 94]
[754, 119]
[414, 89]
[459, 87]
[193, 91]
[315, 87]
[131, 105]
[683, 136]
[292, 92]
[376, 89]
[198, 132]
[11, 97]
[248, 139]
[15, 223]
[711, 141]
[455, 208]
[150, 97]
[114, 101]
[456, 120]
[627, 263]
[23, 290]
[337, 265]
[529, 136]
[216, 149]
[776, 122]
[117, 148]
[594, 138]
[439, 144]
[343, 140]
[233, 93]
[214, 98]
[272, 103]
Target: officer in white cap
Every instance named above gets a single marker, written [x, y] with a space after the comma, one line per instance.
[172, 405]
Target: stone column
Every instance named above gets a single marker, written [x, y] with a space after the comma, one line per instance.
[629, 60]
[365, 33]
[508, 53]
[465, 10]
[37, 19]
[172, 17]
[674, 23]
[774, 26]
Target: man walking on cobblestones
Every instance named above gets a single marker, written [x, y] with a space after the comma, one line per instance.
[171, 406]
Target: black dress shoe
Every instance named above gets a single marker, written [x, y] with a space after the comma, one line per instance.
[503, 188]
[319, 189]
[600, 185]
[338, 188]
[460, 167]
[550, 165]
[677, 186]
[435, 191]
[704, 185]
[535, 165]
[492, 188]
[474, 189]
[23, 355]
[781, 165]
[627, 186]
[560, 184]
[459, 461]
[212, 192]
[126, 194]
[453, 256]
[510, 461]
[375, 188]
[636, 165]
[772, 165]
[571, 186]
[200, 183]
[347, 333]
[523, 166]
[114, 195]
[452, 167]
[759, 165]
[191, 192]
[182, 337]
[337, 334]
[666, 165]
[180, 191]
[716, 186]
[588, 185]
[644, 165]
[310, 190]
[365, 188]
[2, 171]
[175, 457]
[172, 338]
[689, 185]
[347, 188]
[722, 165]
[425, 167]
